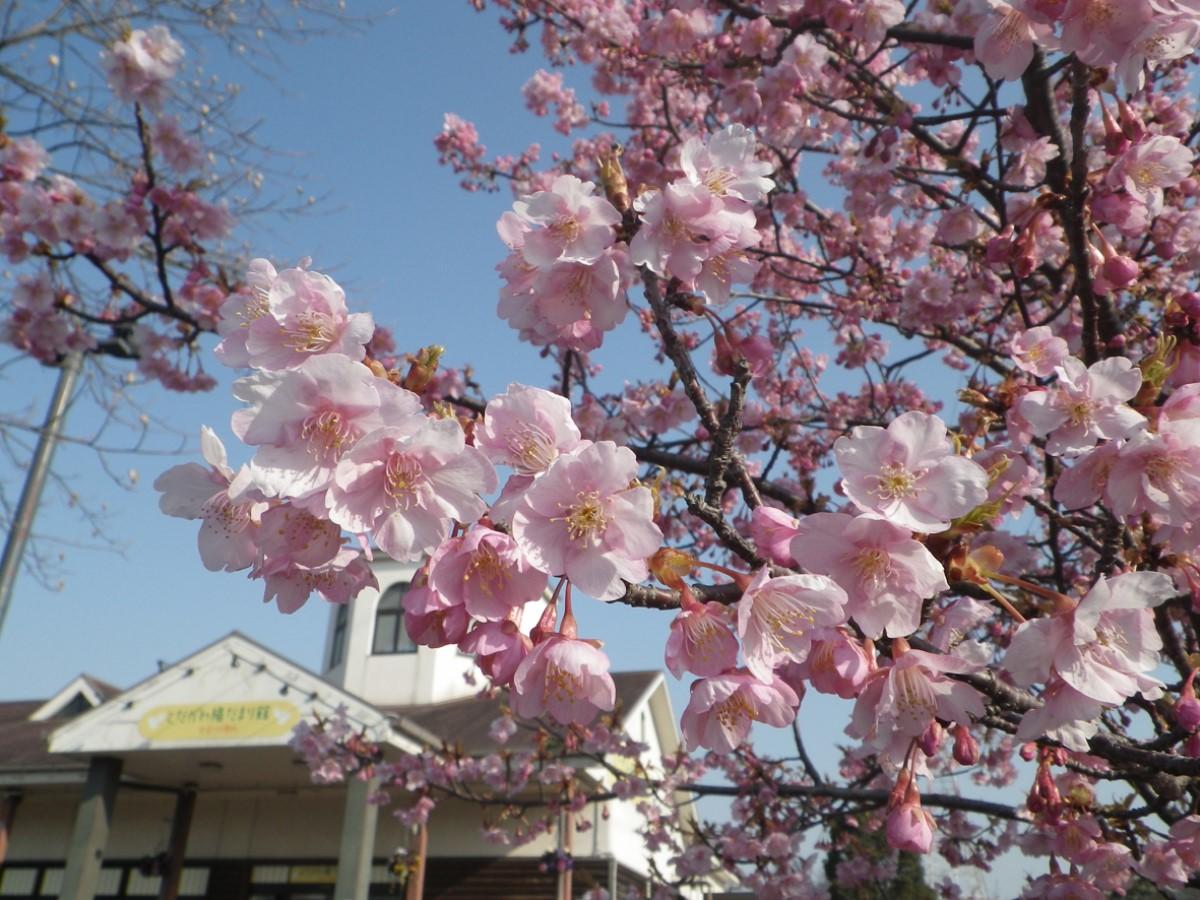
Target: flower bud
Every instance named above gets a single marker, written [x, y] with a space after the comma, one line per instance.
[931, 740]
[966, 748]
[909, 827]
[1187, 710]
[1120, 271]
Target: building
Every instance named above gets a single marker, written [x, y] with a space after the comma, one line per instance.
[101, 788]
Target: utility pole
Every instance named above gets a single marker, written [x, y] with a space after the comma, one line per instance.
[35, 479]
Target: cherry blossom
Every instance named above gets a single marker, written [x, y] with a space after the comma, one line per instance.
[776, 617]
[228, 533]
[583, 520]
[139, 67]
[1087, 404]
[566, 678]
[305, 419]
[885, 573]
[407, 487]
[486, 571]
[722, 709]
[567, 223]
[908, 474]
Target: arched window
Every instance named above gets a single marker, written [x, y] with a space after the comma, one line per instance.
[390, 636]
[337, 649]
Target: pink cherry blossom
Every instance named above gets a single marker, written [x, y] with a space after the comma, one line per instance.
[571, 304]
[305, 419]
[902, 699]
[908, 474]
[567, 223]
[431, 619]
[1149, 166]
[1163, 39]
[909, 826]
[836, 663]
[1085, 482]
[582, 519]
[1038, 350]
[139, 66]
[886, 574]
[407, 487]
[1005, 43]
[726, 164]
[485, 570]
[305, 316]
[685, 224]
[776, 618]
[701, 641]
[1158, 474]
[772, 530]
[526, 428]
[228, 535]
[498, 647]
[1103, 647]
[1086, 405]
[1098, 31]
[566, 678]
[722, 709]
[240, 310]
[337, 581]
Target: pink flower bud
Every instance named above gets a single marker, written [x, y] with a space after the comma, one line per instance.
[1120, 271]
[931, 740]
[1187, 714]
[1187, 710]
[909, 827]
[966, 748]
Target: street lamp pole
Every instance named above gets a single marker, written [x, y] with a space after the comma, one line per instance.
[35, 480]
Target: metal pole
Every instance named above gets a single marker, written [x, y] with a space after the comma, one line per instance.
[39, 467]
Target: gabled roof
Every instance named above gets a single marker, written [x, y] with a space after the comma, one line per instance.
[81, 693]
[232, 693]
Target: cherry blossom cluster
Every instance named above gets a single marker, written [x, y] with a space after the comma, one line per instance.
[63, 236]
[924, 436]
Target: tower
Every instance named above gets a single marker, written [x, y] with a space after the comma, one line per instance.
[368, 652]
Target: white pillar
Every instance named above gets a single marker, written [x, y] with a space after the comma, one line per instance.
[92, 822]
[358, 842]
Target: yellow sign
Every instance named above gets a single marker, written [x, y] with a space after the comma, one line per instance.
[219, 721]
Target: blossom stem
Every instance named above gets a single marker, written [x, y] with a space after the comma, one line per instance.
[1004, 602]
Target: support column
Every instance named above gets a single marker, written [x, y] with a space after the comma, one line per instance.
[92, 822]
[358, 842]
[181, 823]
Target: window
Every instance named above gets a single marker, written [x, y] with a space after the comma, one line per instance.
[337, 652]
[390, 636]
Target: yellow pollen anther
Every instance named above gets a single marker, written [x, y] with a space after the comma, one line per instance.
[311, 333]
[732, 712]
[486, 570]
[895, 482]
[561, 686]
[401, 474]
[586, 517]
